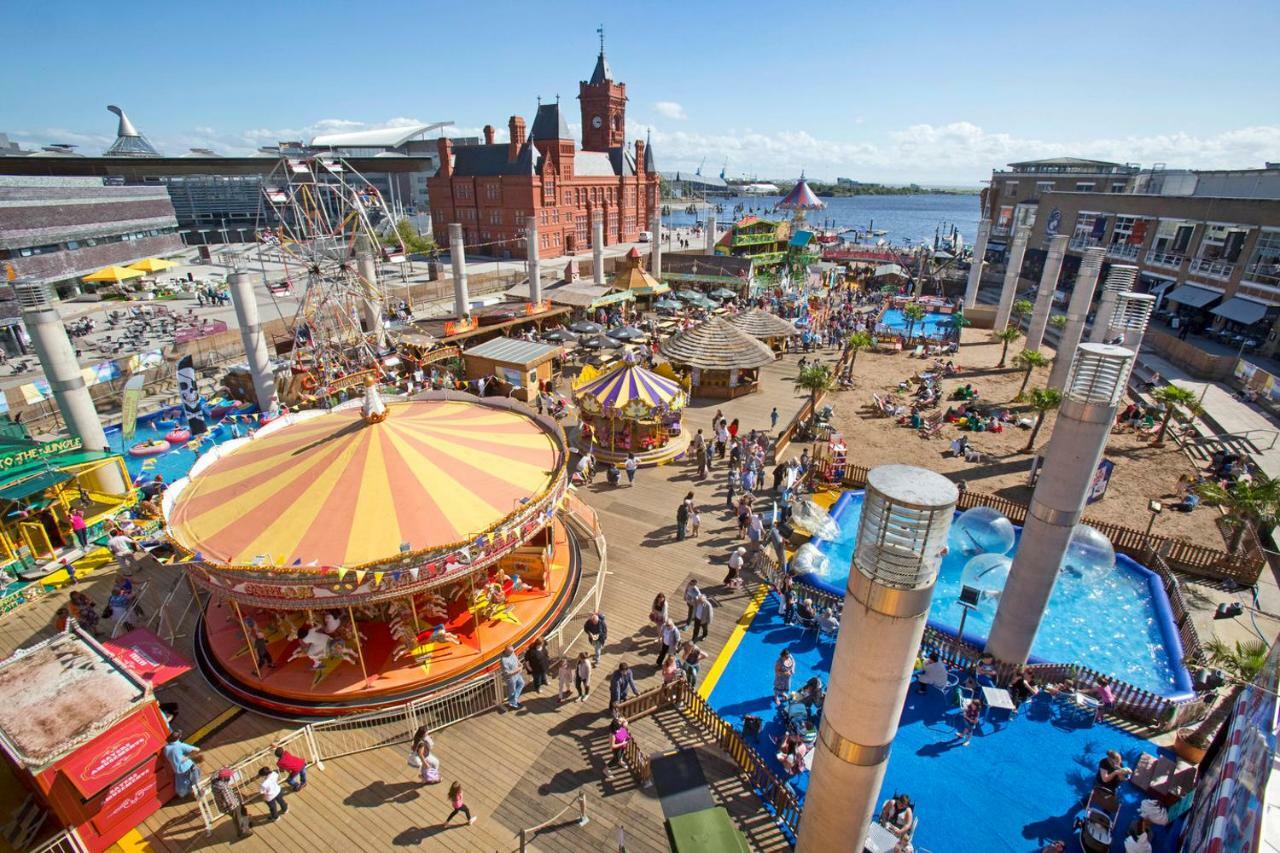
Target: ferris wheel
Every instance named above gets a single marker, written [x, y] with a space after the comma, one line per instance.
[330, 227]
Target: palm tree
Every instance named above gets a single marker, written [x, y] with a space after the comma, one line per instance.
[958, 321]
[914, 313]
[1009, 335]
[1241, 662]
[1042, 400]
[815, 379]
[1175, 399]
[1029, 359]
[856, 341]
[1021, 308]
[1247, 503]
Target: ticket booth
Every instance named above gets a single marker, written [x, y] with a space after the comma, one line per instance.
[84, 735]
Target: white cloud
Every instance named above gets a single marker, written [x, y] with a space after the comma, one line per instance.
[670, 109]
[955, 153]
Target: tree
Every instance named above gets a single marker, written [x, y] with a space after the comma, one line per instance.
[857, 341]
[913, 312]
[1029, 359]
[1008, 336]
[1175, 400]
[1042, 400]
[1242, 662]
[888, 290]
[1021, 308]
[1058, 321]
[957, 322]
[816, 379]
[413, 242]
[1247, 503]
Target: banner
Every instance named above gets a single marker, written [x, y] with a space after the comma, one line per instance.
[129, 405]
[189, 392]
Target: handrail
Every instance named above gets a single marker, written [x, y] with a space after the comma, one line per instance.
[1275, 434]
[580, 801]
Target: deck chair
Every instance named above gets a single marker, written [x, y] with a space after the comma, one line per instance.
[918, 352]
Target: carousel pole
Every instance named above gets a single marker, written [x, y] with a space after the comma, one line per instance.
[355, 635]
[475, 614]
[413, 608]
[253, 656]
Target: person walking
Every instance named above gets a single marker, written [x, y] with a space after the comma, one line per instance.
[658, 614]
[272, 793]
[670, 641]
[182, 758]
[690, 657]
[513, 672]
[731, 488]
[228, 801]
[582, 677]
[631, 465]
[619, 737]
[597, 631]
[565, 677]
[682, 520]
[122, 548]
[733, 579]
[773, 418]
[702, 614]
[695, 522]
[783, 668]
[620, 682]
[691, 595]
[538, 662]
[455, 800]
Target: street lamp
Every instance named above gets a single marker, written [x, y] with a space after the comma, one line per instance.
[1155, 507]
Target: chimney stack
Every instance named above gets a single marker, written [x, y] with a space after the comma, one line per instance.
[640, 164]
[515, 128]
[488, 134]
[444, 148]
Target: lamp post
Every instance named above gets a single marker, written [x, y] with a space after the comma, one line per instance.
[1155, 507]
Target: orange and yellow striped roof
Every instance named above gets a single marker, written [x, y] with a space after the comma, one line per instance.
[335, 491]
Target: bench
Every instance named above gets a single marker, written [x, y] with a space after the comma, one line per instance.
[1163, 777]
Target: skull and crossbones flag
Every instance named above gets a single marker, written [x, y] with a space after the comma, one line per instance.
[189, 392]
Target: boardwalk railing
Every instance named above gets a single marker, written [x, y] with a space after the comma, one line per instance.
[584, 520]
[580, 803]
[1243, 568]
[66, 841]
[351, 735]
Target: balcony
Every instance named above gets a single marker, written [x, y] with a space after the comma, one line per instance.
[1123, 251]
[1220, 270]
[1263, 272]
[1168, 260]
[1084, 241]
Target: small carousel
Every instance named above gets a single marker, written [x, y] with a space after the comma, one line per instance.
[630, 409]
[362, 556]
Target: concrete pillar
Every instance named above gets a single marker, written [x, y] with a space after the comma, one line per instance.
[975, 269]
[711, 232]
[371, 306]
[597, 249]
[62, 371]
[1120, 279]
[1077, 311]
[655, 264]
[255, 342]
[535, 264]
[1099, 376]
[906, 515]
[1044, 295]
[458, 254]
[1010, 287]
[1129, 319]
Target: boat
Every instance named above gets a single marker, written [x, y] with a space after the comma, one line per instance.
[178, 436]
[149, 448]
[164, 424]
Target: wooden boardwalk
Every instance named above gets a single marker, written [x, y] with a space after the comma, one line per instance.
[518, 769]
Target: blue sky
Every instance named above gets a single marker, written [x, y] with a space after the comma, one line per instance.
[894, 91]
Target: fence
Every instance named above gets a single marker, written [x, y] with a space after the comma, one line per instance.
[351, 735]
[1243, 568]
[581, 803]
[587, 523]
[66, 841]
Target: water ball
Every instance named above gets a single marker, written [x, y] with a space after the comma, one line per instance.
[987, 573]
[982, 530]
[1089, 552]
[808, 559]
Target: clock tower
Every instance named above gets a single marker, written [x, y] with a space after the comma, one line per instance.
[604, 108]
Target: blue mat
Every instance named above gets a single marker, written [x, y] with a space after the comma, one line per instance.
[1018, 785]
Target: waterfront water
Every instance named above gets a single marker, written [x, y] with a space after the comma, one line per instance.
[907, 219]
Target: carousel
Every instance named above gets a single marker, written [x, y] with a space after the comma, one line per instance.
[376, 552]
[721, 359]
[630, 409]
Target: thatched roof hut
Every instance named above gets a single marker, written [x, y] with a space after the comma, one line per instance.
[723, 359]
[764, 326]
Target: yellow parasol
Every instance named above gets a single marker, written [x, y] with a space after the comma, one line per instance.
[148, 265]
[113, 274]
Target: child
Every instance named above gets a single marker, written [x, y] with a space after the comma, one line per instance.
[972, 711]
[566, 678]
[272, 794]
[455, 800]
[582, 677]
[695, 522]
[619, 741]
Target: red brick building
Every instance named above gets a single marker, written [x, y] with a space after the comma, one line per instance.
[492, 189]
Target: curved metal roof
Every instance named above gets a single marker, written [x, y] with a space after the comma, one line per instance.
[386, 137]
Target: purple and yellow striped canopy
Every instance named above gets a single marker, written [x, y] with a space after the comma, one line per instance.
[630, 389]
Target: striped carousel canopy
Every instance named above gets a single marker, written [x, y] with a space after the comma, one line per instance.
[631, 391]
[802, 198]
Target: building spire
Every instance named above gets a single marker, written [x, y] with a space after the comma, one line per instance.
[600, 30]
[602, 71]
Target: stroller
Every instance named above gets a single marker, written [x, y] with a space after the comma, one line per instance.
[1098, 822]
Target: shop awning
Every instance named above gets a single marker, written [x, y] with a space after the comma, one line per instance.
[1241, 310]
[1192, 296]
[34, 485]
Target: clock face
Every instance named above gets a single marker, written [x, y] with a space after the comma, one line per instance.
[597, 121]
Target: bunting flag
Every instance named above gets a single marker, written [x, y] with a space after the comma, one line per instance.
[413, 572]
[377, 577]
[359, 576]
[188, 391]
[342, 573]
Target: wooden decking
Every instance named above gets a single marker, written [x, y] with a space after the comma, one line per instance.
[518, 769]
